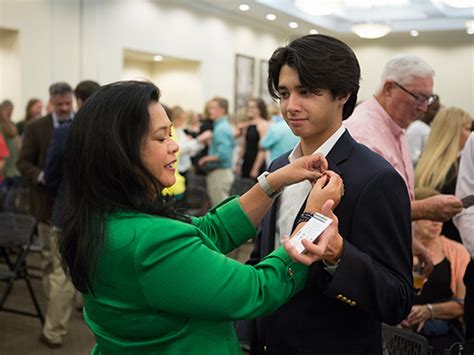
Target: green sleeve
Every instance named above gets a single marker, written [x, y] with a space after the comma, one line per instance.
[179, 274]
[226, 225]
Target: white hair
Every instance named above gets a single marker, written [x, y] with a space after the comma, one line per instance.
[404, 69]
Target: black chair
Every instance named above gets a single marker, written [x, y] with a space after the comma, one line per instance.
[17, 200]
[461, 348]
[241, 185]
[16, 235]
[397, 341]
[196, 201]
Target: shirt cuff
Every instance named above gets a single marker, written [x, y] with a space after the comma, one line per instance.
[294, 271]
[39, 178]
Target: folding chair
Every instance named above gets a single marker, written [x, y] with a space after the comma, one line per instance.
[196, 199]
[397, 341]
[241, 185]
[461, 348]
[16, 233]
[17, 200]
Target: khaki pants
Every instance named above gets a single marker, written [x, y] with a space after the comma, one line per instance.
[61, 294]
[219, 182]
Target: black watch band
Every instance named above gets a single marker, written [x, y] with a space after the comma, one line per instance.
[305, 217]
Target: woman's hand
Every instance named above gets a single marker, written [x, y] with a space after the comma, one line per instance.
[309, 167]
[328, 246]
[327, 187]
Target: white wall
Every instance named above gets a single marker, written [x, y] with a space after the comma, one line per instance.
[74, 40]
[453, 62]
[137, 70]
[180, 83]
[10, 72]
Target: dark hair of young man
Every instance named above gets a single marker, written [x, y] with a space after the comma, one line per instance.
[85, 89]
[104, 173]
[322, 63]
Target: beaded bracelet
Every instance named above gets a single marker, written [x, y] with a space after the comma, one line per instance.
[305, 217]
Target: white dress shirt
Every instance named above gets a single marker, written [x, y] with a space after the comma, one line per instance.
[417, 136]
[188, 148]
[293, 197]
[464, 221]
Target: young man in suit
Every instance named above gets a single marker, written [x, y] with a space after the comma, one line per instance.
[31, 164]
[340, 310]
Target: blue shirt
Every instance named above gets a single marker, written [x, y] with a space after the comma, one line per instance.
[222, 145]
[279, 139]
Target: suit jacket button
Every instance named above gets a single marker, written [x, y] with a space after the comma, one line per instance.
[344, 298]
[291, 272]
[339, 297]
[353, 303]
[265, 348]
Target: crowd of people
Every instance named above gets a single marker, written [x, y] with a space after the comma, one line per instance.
[392, 173]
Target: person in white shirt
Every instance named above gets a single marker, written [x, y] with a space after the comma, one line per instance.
[464, 221]
[188, 146]
[419, 130]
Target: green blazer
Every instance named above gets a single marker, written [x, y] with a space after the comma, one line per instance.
[165, 287]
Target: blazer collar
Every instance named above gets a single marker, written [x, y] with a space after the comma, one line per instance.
[340, 152]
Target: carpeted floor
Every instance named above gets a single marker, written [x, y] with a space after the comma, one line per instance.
[19, 335]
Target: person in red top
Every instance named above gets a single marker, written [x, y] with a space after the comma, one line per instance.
[4, 153]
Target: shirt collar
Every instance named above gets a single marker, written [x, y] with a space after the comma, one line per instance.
[324, 148]
[56, 123]
[220, 120]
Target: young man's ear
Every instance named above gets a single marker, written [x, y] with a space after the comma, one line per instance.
[343, 98]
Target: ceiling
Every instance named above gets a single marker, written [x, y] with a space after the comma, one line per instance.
[402, 15]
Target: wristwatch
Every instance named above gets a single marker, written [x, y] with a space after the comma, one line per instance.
[266, 187]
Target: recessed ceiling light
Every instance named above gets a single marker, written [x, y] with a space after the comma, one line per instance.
[470, 27]
[244, 7]
[157, 58]
[414, 33]
[313, 31]
[371, 30]
[293, 24]
[271, 17]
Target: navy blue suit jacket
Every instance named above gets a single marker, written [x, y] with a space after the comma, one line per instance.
[53, 171]
[342, 314]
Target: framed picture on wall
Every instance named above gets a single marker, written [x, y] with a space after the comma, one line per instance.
[244, 80]
[264, 94]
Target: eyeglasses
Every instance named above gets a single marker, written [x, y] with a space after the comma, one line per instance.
[419, 99]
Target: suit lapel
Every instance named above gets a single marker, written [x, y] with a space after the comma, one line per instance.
[340, 152]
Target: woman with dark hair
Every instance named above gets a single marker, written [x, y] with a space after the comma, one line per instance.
[252, 159]
[34, 109]
[156, 281]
